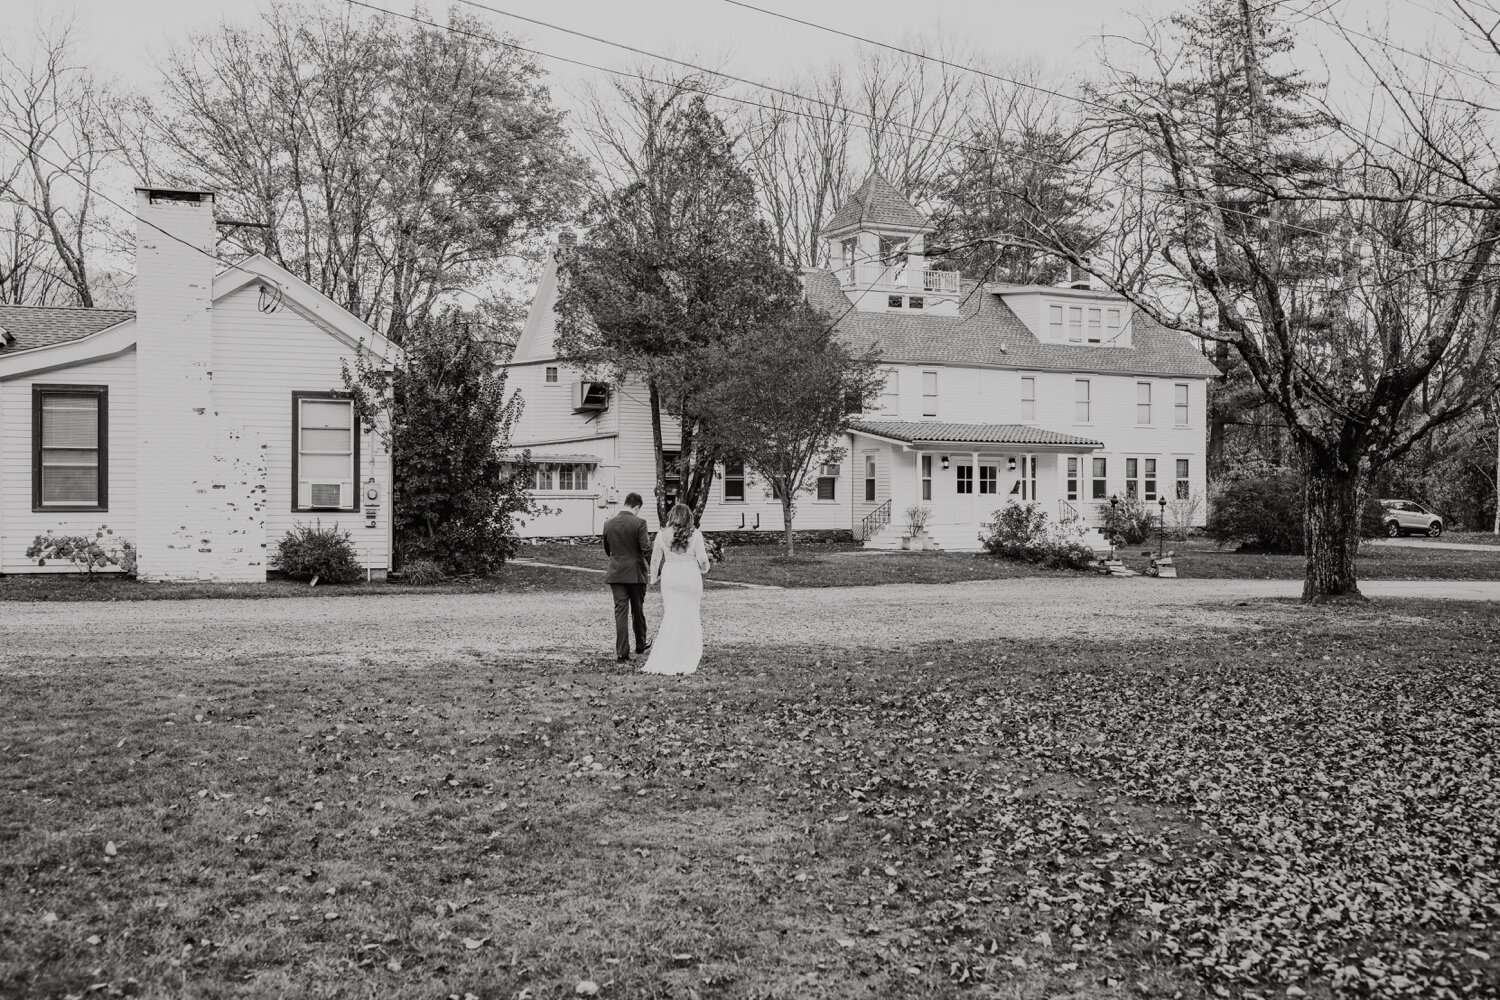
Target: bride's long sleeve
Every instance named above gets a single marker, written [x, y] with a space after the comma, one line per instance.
[700, 552]
[658, 557]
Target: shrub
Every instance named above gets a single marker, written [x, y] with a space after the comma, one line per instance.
[88, 553]
[1131, 519]
[1261, 510]
[1022, 532]
[917, 517]
[423, 573]
[310, 552]
[1181, 513]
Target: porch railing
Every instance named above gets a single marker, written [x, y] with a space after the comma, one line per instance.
[1067, 512]
[874, 521]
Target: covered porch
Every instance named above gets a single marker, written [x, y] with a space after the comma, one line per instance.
[962, 474]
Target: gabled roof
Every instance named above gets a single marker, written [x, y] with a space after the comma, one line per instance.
[987, 333]
[933, 432]
[876, 205]
[23, 328]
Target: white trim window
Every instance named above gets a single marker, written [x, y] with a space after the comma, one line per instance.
[1096, 324]
[890, 393]
[989, 479]
[869, 479]
[1112, 324]
[828, 480]
[929, 394]
[926, 477]
[1072, 479]
[1184, 484]
[1143, 404]
[1082, 407]
[325, 453]
[1075, 324]
[551, 375]
[1100, 479]
[573, 477]
[1180, 409]
[541, 478]
[1028, 397]
[963, 477]
[734, 482]
[1132, 479]
[1055, 323]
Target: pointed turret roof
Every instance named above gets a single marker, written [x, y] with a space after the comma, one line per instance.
[876, 205]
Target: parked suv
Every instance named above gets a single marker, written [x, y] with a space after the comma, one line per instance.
[1403, 517]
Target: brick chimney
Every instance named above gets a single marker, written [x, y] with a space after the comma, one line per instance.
[181, 520]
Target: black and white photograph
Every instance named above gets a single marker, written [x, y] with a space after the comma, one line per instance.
[750, 500]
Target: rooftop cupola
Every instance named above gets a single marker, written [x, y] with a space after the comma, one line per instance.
[877, 242]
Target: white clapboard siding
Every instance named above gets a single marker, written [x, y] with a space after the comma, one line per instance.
[19, 524]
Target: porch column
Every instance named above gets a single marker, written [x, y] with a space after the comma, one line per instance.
[1031, 478]
[974, 489]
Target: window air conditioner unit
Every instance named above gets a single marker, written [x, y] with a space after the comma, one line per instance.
[325, 496]
[590, 396]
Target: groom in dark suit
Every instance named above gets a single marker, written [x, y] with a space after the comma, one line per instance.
[628, 545]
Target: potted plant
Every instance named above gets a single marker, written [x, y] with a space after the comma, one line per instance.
[916, 538]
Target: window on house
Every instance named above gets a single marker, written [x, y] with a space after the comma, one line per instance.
[1148, 484]
[542, 477]
[892, 251]
[964, 478]
[1143, 403]
[1082, 410]
[69, 457]
[1100, 490]
[1095, 325]
[1184, 487]
[929, 394]
[672, 484]
[1028, 398]
[1075, 323]
[1072, 479]
[1132, 479]
[551, 374]
[890, 396]
[926, 477]
[572, 477]
[1112, 323]
[1055, 322]
[828, 479]
[893, 301]
[869, 479]
[1180, 405]
[734, 481]
[989, 479]
[327, 452]
[914, 302]
[849, 247]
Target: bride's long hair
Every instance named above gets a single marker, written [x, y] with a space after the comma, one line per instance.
[680, 523]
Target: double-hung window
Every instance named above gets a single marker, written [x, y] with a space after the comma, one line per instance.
[326, 455]
[1148, 481]
[1112, 324]
[672, 480]
[1100, 490]
[551, 375]
[1132, 479]
[1082, 411]
[1180, 404]
[1075, 324]
[869, 479]
[1028, 397]
[1184, 486]
[890, 395]
[964, 477]
[734, 482]
[926, 477]
[929, 394]
[573, 477]
[989, 479]
[1143, 403]
[1055, 322]
[1072, 479]
[69, 447]
[828, 479]
[1095, 325]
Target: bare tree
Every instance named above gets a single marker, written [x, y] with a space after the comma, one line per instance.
[54, 146]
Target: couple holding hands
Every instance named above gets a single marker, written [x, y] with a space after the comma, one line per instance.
[679, 558]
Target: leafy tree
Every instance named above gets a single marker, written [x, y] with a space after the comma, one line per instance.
[675, 271]
[444, 415]
[391, 163]
[784, 401]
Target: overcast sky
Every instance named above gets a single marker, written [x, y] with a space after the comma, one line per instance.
[126, 38]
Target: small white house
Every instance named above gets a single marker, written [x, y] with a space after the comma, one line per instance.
[201, 426]
[994, 393]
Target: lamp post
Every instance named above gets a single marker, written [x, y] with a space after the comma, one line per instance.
[1114, 505]
[1161, 538]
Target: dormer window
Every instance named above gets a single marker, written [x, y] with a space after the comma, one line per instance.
[893, 251]
[847, 250]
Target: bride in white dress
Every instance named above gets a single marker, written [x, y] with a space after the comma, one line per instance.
[678, 561]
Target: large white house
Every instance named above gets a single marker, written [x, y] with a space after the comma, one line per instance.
[201, 426]
[995, 393]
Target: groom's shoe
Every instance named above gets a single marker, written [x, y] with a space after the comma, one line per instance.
[622, 659]
[642, 651]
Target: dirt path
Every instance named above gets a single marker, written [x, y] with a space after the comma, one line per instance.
[1413, 542]
[420, 627]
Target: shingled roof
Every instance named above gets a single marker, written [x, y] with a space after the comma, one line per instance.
[875, 205]
[932, 432]
[986, 332]
[25, 327]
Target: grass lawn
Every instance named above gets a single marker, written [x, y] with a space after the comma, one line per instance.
[75, 587]
[1201, 559]
[1472, 537]
[1313, 805]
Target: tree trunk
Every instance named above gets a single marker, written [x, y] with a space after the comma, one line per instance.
[1331, 532]
[786, 519]
[661, 471]
[1497, 470]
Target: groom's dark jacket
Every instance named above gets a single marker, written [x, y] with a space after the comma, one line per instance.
[628, 545]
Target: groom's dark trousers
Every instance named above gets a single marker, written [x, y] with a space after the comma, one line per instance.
[628, 545]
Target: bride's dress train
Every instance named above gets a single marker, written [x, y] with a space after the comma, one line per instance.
[678, 645]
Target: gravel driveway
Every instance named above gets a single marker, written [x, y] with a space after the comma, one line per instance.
[419, 627]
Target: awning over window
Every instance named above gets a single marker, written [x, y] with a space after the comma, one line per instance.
[932, 432]
[556, 459]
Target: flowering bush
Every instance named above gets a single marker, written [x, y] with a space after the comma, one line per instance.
[1022, 532]
[90, 554]
[1131, 519]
